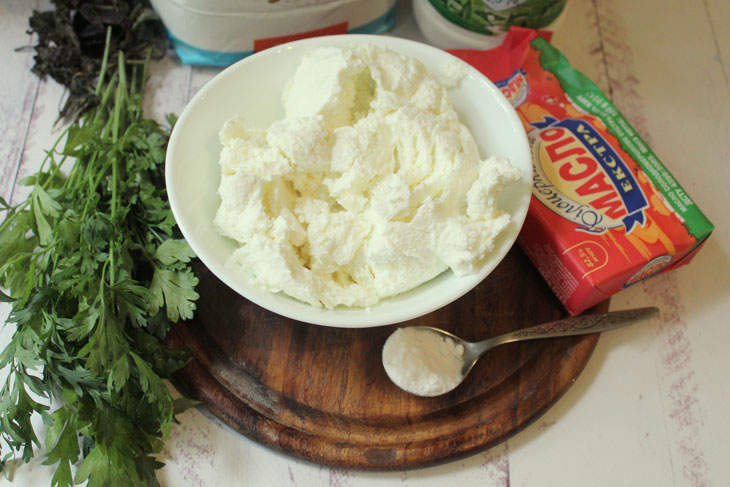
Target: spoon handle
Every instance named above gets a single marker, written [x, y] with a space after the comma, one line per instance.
[577, 325]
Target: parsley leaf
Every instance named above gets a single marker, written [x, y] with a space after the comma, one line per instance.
[173, 251]
[95, 272]
[175, 289]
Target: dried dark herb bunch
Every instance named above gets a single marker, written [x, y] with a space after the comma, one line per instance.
[71, 41]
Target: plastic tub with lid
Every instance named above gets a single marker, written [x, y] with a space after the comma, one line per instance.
[482, 24]
[222, 32]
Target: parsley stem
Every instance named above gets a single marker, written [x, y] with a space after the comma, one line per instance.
[105, 57]
[116, 120]
[101, 109]
[120, 98]
[20, 256]
[113, 218]
[49, 156]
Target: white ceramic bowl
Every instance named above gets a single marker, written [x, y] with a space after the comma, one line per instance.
[252, 88]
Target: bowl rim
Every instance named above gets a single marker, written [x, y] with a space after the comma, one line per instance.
[341, 317]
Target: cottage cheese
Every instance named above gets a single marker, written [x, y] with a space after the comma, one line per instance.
[369, 186]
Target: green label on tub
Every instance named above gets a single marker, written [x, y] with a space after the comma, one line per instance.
[493, 17]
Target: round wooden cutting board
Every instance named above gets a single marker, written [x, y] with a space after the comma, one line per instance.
[321, 393]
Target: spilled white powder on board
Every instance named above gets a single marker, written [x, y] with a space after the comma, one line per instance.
[422, 362]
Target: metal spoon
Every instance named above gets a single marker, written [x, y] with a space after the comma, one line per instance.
[577, 325]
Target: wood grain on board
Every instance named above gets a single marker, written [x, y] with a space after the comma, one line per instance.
[321, 393]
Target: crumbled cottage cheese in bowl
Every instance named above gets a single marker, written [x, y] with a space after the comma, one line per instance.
[369, 186]
[324, 179]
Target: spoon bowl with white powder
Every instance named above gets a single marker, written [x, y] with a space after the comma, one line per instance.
[429, 362]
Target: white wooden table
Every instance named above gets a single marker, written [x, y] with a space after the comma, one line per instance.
[651, 408]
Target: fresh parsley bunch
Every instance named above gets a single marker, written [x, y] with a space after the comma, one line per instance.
[95, 274]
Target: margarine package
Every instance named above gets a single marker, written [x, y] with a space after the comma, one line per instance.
[221, 32]
[605, 213]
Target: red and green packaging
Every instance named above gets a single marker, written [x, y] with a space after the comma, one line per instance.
[605, 213]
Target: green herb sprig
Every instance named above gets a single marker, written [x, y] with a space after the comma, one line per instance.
[95, 274]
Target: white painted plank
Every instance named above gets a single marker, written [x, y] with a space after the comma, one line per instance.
[718, 13]
[199, 77]
[202, 451]
[42, 132]
[167, 88]
[15, 110]
[405, 23]
[578, 37]
[685, 98]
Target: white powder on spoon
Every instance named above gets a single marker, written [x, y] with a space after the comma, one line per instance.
[422, 362]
